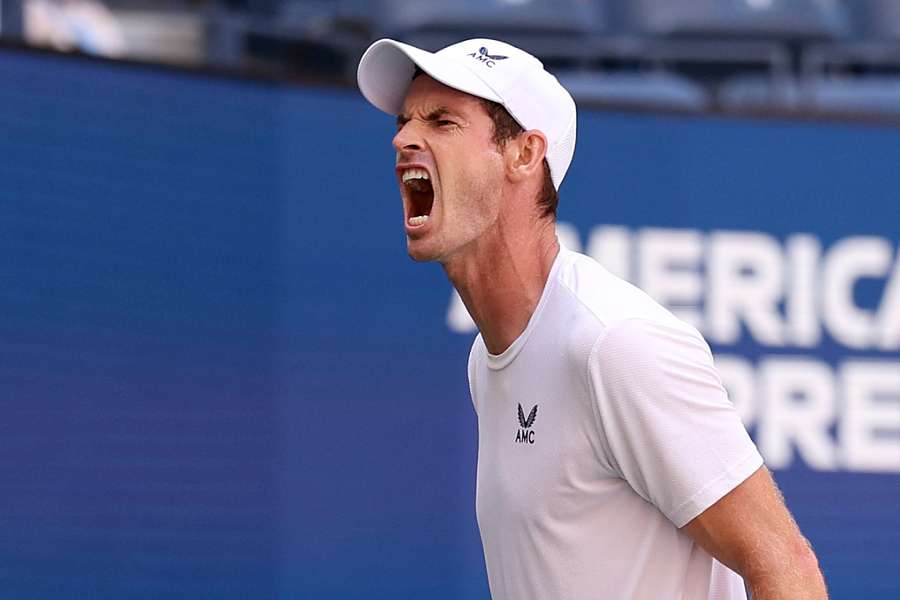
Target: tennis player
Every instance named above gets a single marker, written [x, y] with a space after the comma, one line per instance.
[611, 464]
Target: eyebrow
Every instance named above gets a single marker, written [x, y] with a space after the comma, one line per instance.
[434, 115]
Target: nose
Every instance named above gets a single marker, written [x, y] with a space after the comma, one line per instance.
[407, 138]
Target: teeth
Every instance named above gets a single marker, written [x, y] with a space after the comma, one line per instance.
[414, 174]
[416, 221]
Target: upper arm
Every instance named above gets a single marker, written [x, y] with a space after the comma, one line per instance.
[670, 431]
[751, 531]
[665, 420]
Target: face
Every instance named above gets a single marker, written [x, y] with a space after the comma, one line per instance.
[449, 169]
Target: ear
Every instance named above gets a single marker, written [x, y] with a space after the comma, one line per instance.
[525, 155]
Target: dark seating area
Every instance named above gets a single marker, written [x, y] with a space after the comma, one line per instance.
[788, 55]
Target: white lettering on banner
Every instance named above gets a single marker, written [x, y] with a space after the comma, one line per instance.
[611, 247]
[731, 283]
[798, 408]
[669, 270]
[568, 235]
[849, 261]
[803, 254]
[746, 279]
[794, 402]
[870, 427]
[889, 323]
[458, 318]
[740, 287]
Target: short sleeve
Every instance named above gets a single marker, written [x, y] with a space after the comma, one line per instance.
[665, 417]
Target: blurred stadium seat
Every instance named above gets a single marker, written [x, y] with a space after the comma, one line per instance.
[659, 90]
[322, 38]
[868, 95]
[876, 19]
[737, 54]
[873, 95]
[711, 40]
[12, 20]
[556, 30]
[475, 17]
[874, 44]
[758, 92]
[764, 19]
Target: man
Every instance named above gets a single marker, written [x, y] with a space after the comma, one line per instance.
[611, 464]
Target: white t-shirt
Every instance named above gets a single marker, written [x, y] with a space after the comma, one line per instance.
[601, 430]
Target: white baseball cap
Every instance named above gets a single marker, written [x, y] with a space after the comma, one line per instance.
[485, 68]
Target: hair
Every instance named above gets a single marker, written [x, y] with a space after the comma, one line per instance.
[505, 129]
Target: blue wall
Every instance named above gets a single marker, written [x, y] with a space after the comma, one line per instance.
[221, 377]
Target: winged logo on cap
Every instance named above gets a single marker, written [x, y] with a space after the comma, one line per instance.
[526, 423]
[484, 52]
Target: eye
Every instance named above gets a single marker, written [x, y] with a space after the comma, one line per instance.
[444, 122]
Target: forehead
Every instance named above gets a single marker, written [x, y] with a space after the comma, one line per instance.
[427, 94]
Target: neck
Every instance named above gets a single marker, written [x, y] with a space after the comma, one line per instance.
[501, 278]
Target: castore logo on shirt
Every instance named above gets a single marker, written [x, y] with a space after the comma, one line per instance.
[524, 436]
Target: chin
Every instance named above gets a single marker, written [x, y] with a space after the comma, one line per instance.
[420, 256]
[421, 252]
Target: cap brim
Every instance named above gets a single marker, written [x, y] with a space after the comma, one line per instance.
[386, 69]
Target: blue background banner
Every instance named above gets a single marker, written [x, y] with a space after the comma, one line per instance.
[221, 376]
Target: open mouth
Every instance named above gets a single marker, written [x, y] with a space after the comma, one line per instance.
[419, 194]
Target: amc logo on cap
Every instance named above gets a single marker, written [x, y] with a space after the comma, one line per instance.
[488, 59]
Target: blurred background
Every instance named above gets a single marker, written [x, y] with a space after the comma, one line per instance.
[221, 376]
[797, 55]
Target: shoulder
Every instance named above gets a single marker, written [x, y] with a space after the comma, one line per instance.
[614, 314]
[607, 298]
[653, 364]
[639, 341]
